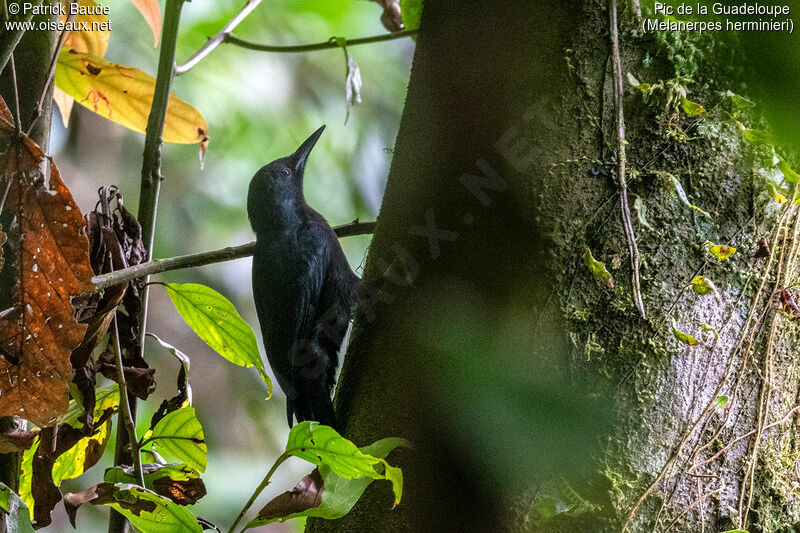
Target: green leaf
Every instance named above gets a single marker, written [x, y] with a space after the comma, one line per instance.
[788, 172]
[146, 510]
[411, 10]
[105, 398]
[179, 482]
[683, 337]
[180, 435]
[26, 476]
[88, 451]
[702, 285]
[322, 445]
[720, 251]
[692, 109]
[152, 472]
[740, 101]
[684, 198]
[216, 321]
[597, 268]
[17, 517]
[339, 494]
[776, 193]
[756, 136]
[721, 402]
[644, 87]
[124, 95]
[706, 327]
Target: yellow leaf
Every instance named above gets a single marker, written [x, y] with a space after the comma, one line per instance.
[720, 251]
[702, 285]
[683, 337]
[64, 103]
[93, 39]
[124, 95]
[152, 14]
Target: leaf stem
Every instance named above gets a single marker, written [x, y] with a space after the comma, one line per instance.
[324, 45]
[148, 196]
[259, 490]
[126, 416]
[218, 39]
[230, 253]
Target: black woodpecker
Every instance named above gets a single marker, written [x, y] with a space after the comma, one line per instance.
[303, 286]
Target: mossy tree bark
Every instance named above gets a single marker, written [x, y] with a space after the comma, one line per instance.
[535, 396]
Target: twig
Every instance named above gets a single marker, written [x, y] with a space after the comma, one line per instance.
[694, 504]
[9, 39]
[148, 195]
[17, 119]
[126, 416]
[218, 39]
[5, 194]
[324, 45]
[633, 250]
[205, 258]
[728, 446]
[37, 111]
[258, 490]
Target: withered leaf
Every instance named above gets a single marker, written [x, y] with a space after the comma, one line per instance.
[178, 482]
[16, 440]
[305, 495]
[763, 249]
[391, 17]
[3, 239]
[789, 305]
[182, 492]
[38, 336]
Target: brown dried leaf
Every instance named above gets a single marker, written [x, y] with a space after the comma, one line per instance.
[789, 305]
[138, 375]
[3, 239]
[391, 18]
[180, 491]
[305, 495]
[16, 440]
[38, 335]
[763, 248]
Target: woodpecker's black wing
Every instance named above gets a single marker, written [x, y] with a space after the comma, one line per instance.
[325, 325]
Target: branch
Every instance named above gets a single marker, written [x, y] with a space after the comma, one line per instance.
[10, 38]
[218, 39]
[633, 250]
[37, 111]
[330, 43]
[148, 204]
[126, 415]
[206, 258]
[259, 490]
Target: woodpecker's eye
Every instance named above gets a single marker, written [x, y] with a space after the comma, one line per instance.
[285, 172]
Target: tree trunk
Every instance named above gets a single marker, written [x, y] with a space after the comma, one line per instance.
[535, 396]
[32, 57]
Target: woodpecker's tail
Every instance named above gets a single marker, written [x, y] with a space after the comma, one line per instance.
[312, 403]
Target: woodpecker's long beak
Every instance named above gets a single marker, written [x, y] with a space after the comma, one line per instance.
[301, 155]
